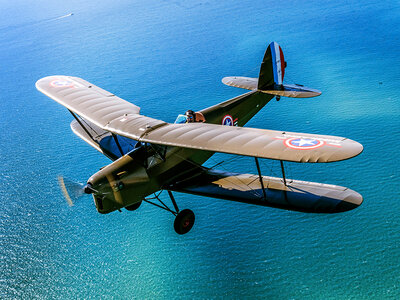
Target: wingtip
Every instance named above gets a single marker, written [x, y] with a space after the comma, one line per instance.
[47, 79]
[225, 80]
[358, 148]
[352, 201]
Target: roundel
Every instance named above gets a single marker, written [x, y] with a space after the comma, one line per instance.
[61, 83]
[227, 120]
[303, 143]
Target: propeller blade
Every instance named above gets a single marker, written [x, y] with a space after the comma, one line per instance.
[71, 190]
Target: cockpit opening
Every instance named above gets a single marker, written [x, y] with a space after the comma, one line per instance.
[190, 117]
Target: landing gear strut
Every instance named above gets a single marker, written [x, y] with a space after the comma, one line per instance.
[184, 219]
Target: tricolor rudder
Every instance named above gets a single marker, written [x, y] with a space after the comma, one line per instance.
[278, 63]
[272, 68]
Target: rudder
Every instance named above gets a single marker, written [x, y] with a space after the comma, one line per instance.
[272, 68]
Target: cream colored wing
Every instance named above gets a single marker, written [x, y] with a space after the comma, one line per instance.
[289, 146]
[96, 105]
[116, 115]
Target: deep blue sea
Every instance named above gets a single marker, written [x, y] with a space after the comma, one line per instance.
[167, 57]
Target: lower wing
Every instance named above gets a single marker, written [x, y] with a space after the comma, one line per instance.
[296, 195]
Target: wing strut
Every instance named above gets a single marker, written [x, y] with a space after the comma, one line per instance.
[260, 177]
[283, 173]
[80, 123]
[284, 180]
[117, 142]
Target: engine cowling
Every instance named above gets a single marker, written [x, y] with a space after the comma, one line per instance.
[122, 183]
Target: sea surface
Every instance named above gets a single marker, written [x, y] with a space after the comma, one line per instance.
[167, 57]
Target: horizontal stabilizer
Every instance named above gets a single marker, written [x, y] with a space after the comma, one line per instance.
[286, 90]
[292, 91]
[241, 82]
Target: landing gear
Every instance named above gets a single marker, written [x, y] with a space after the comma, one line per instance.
[133, 206]
[184, 220]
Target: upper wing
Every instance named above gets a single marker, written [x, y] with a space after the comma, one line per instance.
[96, 105]
[289, 146]
[121, 117]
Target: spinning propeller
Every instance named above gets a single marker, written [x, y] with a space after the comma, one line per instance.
[72, 190]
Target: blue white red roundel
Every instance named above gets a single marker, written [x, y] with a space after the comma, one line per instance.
[303, 143]
[227, 120]
[61, 83]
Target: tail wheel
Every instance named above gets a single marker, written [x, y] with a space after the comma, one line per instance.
[184, 221]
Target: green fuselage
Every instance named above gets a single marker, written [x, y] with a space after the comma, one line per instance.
[151, 167]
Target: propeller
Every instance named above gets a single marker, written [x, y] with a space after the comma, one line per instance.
[72, 190]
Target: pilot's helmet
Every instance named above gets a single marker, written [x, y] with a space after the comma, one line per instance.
[190, 115]
[189, 112]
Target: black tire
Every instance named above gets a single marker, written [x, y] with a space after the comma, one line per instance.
[184, 221]
[133, 206]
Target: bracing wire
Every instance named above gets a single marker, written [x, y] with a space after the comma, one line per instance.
[255, 193]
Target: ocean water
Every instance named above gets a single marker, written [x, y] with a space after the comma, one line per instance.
[167, 57]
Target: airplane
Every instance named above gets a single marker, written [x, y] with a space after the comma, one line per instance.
[150, 156]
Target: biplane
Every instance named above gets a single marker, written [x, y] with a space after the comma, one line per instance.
[150, 156]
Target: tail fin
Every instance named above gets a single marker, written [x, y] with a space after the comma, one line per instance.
[270, 79]
[272, 68]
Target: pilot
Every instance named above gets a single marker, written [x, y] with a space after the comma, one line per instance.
[191, 116]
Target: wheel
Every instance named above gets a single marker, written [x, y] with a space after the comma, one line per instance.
[133, 206]
[184, 221]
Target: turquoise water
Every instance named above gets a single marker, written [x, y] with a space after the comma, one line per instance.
[167, 57]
